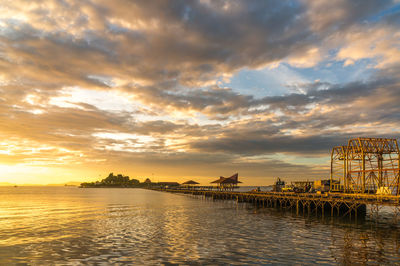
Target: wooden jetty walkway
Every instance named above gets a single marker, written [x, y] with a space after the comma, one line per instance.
[365, 173]
[340, 204]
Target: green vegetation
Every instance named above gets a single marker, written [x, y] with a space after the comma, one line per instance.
[114, 181]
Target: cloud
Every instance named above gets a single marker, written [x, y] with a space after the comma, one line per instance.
[328, 15]
[190, 41]
[138, 84]
[379, 43]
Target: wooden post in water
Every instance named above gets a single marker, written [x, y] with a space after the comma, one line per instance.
[355, 210]
[323, 209]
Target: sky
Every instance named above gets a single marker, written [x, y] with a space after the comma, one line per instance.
[178, 90]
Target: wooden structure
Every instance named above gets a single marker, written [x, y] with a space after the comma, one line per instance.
[365, 172]
[339, 204]
[338, 167]
[168, 184]
[366, 165]
[190, 182]
[227, 183]
[302, 186]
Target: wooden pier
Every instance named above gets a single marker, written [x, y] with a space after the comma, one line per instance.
[339, 204]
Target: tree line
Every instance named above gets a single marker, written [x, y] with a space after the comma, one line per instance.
[114, 181]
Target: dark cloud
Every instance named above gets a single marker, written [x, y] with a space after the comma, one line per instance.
[163, 61]
[315, 145]
[192, 41]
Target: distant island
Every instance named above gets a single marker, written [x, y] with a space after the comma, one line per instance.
[123, 181]
[114, 181]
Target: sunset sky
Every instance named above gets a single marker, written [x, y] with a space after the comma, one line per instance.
[178, 90]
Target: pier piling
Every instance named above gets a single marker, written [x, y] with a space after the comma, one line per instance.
[351, 205]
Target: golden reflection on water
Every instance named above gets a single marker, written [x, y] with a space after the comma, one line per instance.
[365, 247]
[58, 225]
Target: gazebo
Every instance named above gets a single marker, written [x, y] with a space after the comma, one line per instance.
[227, 182]
[189, 183]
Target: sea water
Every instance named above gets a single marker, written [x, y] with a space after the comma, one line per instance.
[69, 225]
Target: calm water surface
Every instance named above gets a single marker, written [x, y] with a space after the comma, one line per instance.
[68, 225]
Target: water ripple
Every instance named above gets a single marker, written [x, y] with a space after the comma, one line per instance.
[117, 226]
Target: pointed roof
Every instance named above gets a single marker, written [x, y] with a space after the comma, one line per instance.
[190, 182]
[228, 180]
[221, 178]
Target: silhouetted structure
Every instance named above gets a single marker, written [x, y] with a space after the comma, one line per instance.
[225, 183]
[190, 182]
[279, 184]
[168, 184]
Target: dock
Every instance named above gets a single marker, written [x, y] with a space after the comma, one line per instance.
[365, 173]
[334, 204]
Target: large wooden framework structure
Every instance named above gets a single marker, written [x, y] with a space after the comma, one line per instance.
[338, 167]
[366, 165]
